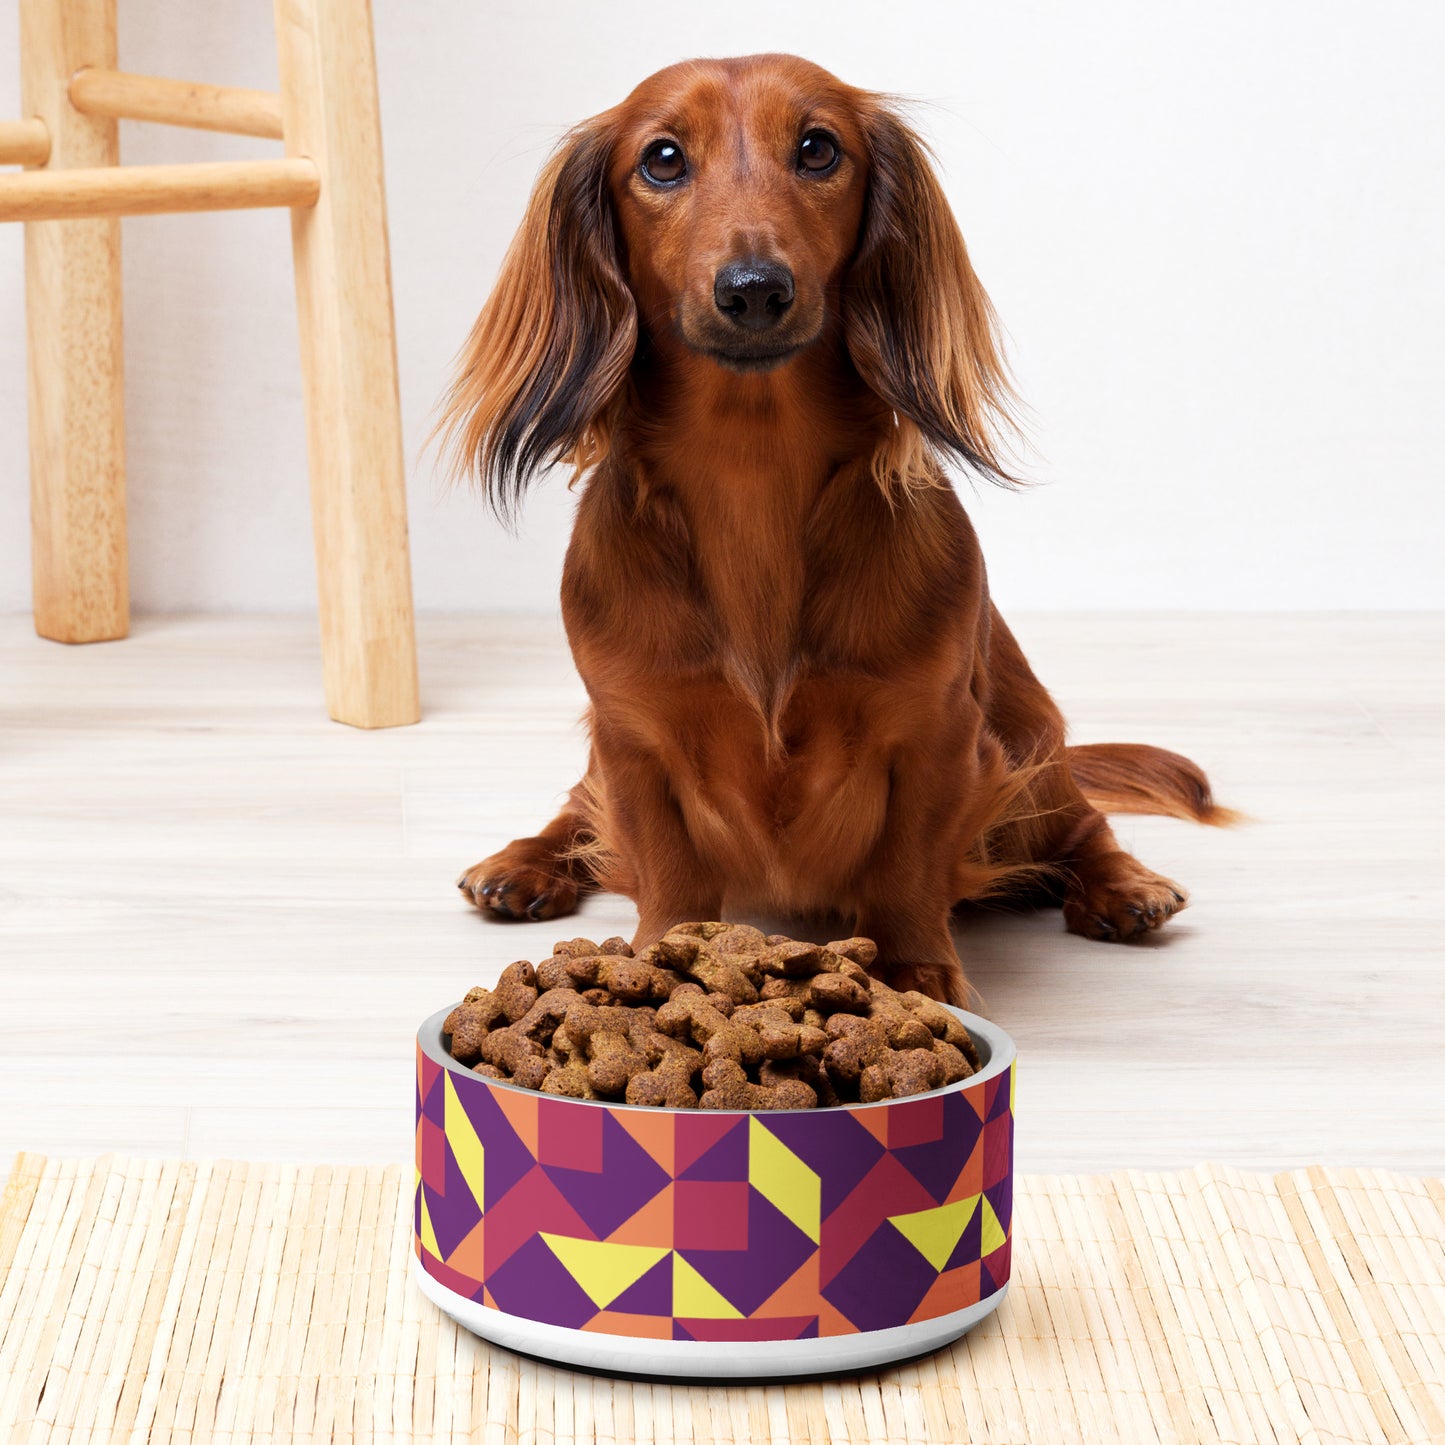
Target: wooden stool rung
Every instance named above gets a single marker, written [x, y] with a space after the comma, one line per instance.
[62, 195]
[24, 142]
[122, 96]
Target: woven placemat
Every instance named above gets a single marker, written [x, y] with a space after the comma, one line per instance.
[145, 1299]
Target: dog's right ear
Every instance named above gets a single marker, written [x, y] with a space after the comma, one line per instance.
[546, 358]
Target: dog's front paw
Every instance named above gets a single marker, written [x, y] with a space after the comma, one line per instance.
[514, 886]
[1117, 899]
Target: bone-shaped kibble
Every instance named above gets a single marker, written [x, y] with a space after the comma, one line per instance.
[797, 960]
[862, 951]
[781, 1036]
[739, 938]
[903, 1029]
[575, 948]
[603, 1034]
[900, 1073]
[686, 954]
[631, 980]
[540, 1022]
[855, 1044]
[522, 1058]
[470, 1022]
[807, 1069]
[940, 1023]
[668, 1083]
[728, 1087]
[569, 1081]
[688, 1016]
[955, 1062]
[552, 973]
[516, 989]
[832, 993]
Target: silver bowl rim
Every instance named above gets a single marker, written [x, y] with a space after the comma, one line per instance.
[995, 1047]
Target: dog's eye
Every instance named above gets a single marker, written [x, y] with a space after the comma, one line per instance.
[818, 152]
[664, 162]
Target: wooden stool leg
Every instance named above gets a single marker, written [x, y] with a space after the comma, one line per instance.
[348, 359]
[72, 296]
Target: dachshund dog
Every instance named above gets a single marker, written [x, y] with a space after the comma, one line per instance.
[740, 309]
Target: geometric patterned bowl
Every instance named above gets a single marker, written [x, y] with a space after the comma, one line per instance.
[687, 1242]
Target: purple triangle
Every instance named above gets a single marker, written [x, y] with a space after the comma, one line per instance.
[883, 1283]
[454, 1213]
[434, 1106]
[986, 1285]
[776, 1250]
[725, 1160]
[630, 1177]
[650, 1295]
[508, 1159]
[970, 1242]
[534, 1284]
[998, 1102]
[937, 1164]
[832, 1144]
[1001, 1197]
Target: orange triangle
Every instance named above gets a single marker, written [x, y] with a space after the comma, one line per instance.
[487, 1299]
[833, 1321]
[653, 1129]
[466, 1258]
[970, 1179]
[797, 1295]
[521, 1111]
[875, 1121]
[642, 1327]
[976, 1100]
[949, 1292]
[652, 1224]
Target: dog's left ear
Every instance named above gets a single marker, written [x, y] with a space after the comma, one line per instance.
[919, 325]
[544, 362]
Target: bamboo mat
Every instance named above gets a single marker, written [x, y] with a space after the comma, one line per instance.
[151, 1300]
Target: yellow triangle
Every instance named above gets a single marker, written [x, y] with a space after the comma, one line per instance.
[934, 1232]
[693, 1298]
[463, 1142]
[993, 1231]
[428, 1234]
[603, 1270]
[783, 1179]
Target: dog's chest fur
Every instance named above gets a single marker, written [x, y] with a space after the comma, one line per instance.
[775, 658]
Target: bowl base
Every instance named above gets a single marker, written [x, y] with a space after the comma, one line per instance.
[704, 1359]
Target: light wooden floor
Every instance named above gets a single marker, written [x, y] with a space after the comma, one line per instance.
[222, 916]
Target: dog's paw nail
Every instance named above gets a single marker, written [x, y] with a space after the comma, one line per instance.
[487, 891]
[535, 907]
[1176, 895]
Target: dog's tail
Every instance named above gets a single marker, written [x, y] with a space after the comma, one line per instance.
[1135, 778]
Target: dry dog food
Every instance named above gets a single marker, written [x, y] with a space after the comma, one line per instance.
[713, 1016]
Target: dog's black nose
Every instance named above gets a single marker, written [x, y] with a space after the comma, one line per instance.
[755, 294]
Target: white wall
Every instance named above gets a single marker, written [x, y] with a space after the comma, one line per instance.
[1213, 230]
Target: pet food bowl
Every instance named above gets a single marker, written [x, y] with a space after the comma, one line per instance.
[689, 1242]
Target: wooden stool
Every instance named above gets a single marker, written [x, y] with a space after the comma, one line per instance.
[331, 179]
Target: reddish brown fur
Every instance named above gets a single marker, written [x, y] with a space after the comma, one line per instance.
[802, 698]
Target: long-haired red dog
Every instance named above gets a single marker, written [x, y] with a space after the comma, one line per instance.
[740, 305]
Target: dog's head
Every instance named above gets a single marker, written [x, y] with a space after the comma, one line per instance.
[730, 214]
